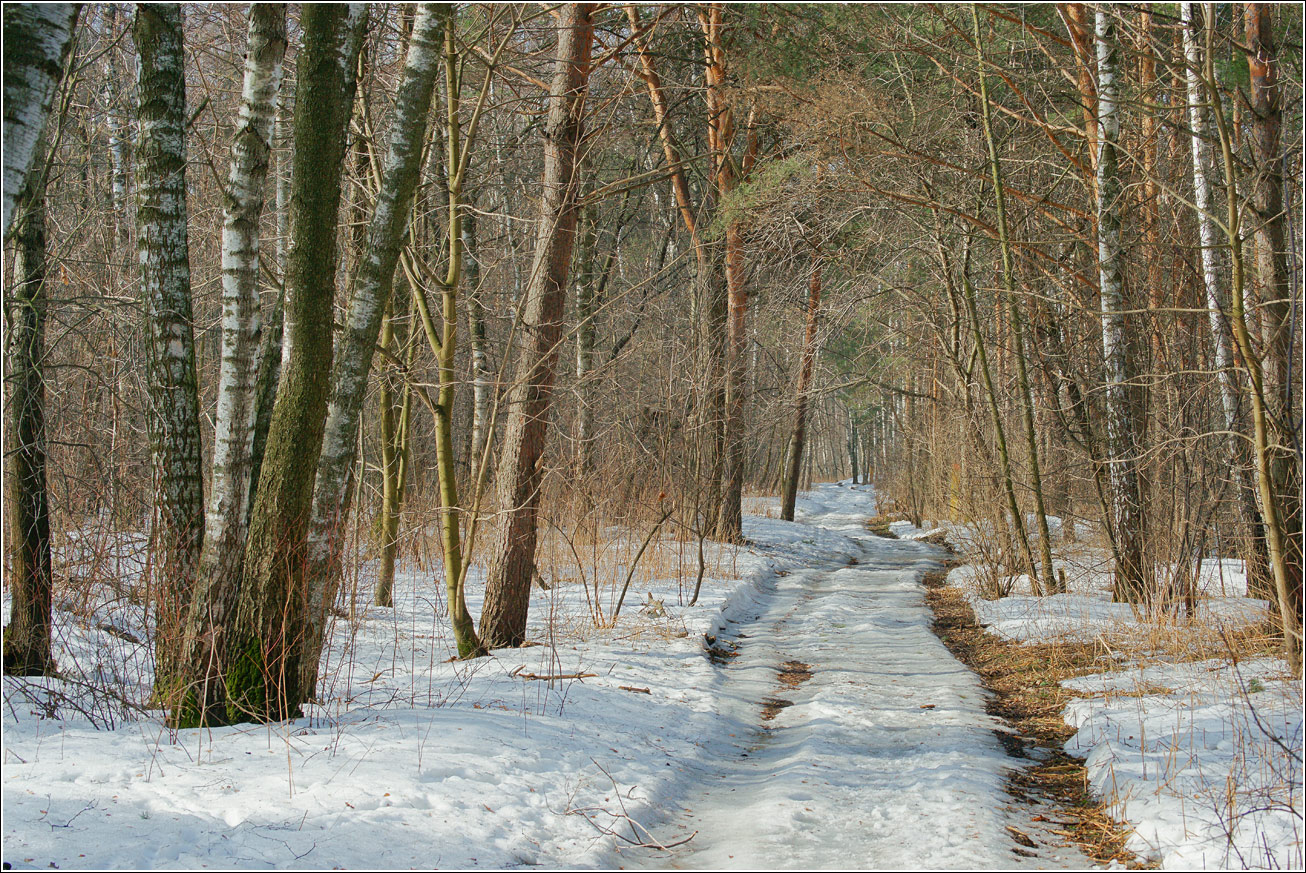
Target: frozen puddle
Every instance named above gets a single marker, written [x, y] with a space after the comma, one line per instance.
[864, 743]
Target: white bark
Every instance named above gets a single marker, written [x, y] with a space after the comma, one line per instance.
[1122, 427]
[354, 349]
[1199, 131]
[36, 42]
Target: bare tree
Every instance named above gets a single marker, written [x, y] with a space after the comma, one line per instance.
[508, 584]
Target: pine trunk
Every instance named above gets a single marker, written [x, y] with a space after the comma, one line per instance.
[512, 557]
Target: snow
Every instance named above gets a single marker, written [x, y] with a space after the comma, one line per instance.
[1203, 758]
[415, 761]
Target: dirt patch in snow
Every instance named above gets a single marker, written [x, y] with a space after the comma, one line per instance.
[792, 674]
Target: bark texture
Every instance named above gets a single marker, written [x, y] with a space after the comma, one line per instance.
[218, 579]
[173, 414]
[27, 637]
[263, 679]
[1132, 577]
[37, 37]
[512, 556]
[357, 343]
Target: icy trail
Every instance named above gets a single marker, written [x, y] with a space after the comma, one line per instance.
[869, 744]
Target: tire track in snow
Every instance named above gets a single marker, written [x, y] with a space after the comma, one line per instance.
[859, 740]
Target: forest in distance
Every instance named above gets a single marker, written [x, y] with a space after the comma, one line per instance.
[305, 301]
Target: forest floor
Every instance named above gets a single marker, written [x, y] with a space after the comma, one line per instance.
[802, 714]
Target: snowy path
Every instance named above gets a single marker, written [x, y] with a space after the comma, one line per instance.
[869, 744]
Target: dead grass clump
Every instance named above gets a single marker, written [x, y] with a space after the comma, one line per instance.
[1028, 695]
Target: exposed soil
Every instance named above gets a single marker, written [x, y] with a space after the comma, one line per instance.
[1027, 694]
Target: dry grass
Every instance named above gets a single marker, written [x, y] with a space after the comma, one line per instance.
[1028, 695]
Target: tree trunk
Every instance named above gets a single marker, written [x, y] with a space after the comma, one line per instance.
[27, 638]
[1258, 580]
[354, 350]
[37, 37]
[173, 417]
[1273, 455]
[508, 584]
[1132, 574]
[218, 577]
[482, 376]
[794, 457]
[263, 679]
[1279, 299]
[1049, 579]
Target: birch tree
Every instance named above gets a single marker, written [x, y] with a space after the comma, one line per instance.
[173, 414]
[37, 37]
[354, 350]
[1217, 300]
[217, 582]
[512, 556]
[262, 675]
[1132, 576]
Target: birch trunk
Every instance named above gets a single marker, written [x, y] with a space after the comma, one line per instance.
[512, 557]
[173, 417]
[482, 375]
[354, 350]
[37, 37]
[218, 578]
[262, 662]
[27, 506]
[1132, 576]
[1217, 309]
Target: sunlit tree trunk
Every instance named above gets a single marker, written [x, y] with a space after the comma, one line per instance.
[1132, 573]
[218, 578]
[1280, 301]
[354, 350]
[512, 555]
[1273, 454]
[173, 417]
[263, 679]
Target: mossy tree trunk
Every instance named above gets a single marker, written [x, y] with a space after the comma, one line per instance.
[263, 678]
[218, 578]
[27, 506]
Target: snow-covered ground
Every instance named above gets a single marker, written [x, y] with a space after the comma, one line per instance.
[1202, 757]
[884, 758]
